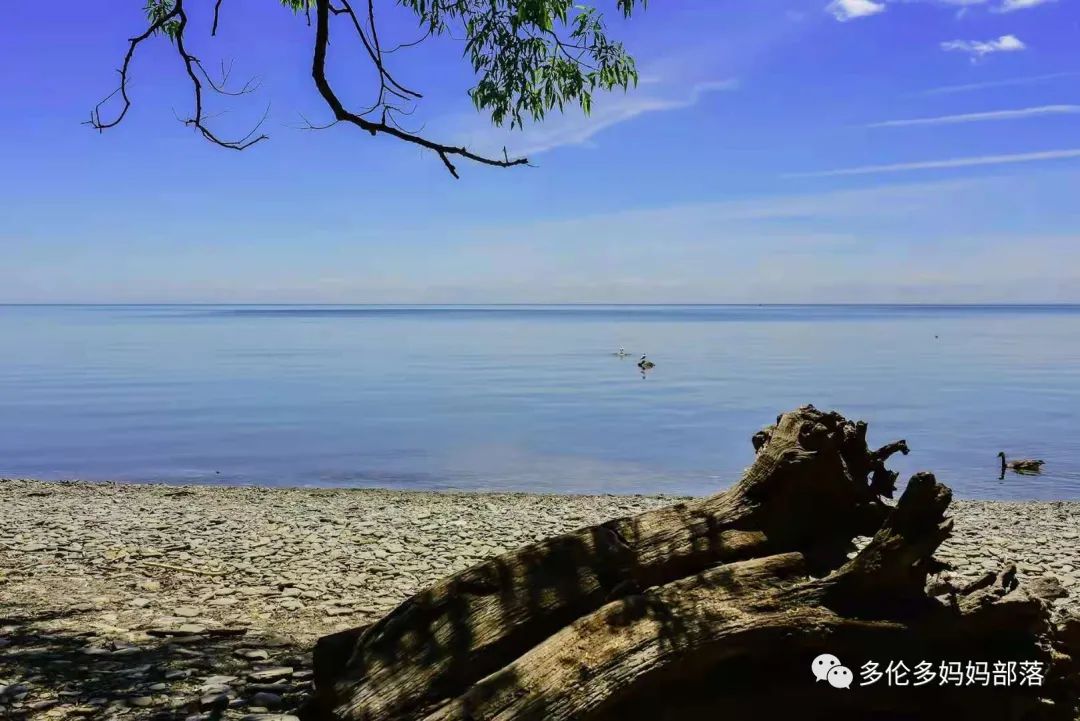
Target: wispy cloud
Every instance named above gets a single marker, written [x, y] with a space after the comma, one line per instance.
[948, 240]
[576, 128]
[1017, 114]
[969, 87]
[1006, 237]
[979, 48]
[1009, 6]
[844, 10]
[945, 164]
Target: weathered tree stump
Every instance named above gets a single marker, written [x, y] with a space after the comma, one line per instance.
[713, 606]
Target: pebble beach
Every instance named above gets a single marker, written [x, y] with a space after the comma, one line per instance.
[177, 602]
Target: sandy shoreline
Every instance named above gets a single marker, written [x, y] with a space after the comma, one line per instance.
[180, 598]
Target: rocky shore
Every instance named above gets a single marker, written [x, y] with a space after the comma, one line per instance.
[165, 602]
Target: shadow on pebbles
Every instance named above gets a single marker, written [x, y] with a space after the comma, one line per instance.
[123, 601]
[190, 673]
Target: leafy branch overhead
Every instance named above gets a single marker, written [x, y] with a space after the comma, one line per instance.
[529, 56]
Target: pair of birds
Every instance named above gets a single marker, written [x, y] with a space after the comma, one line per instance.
[1023, 465]
[643, 363]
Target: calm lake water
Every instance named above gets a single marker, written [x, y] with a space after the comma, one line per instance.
[528, 397]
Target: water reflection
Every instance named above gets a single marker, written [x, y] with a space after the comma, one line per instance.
[420, 397]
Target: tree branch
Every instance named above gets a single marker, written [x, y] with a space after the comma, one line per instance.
[95, 115]
[375, 53]
[220, 86]
[191, 63]
[217, 11]
[419, 40]
[318, 73]
[173, 22]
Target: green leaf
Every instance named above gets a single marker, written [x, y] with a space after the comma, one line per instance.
[530, 56]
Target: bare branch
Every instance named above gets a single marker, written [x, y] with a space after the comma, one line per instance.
[375, 53]
[220, 86]
[217, 11]
[318, 73]
[95, 115]
[419, 40]
[308, 125]
[194, 69]
[371, 24]
[191, 63]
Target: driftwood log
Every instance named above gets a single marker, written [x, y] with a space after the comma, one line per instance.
[717, 606]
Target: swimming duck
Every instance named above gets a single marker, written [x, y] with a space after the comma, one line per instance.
[645, 363]
[622, 352]
[1025, 465]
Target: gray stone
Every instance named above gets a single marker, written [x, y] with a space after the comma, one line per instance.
[270, 674]
[252, 654]
[96, 651]
[184, 629]
[337, 611]
[214, 701]
[83, 710]
[1047, 587]
[266, 700]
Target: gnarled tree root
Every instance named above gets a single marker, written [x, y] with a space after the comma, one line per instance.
[710, 607]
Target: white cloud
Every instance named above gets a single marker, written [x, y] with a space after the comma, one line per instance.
[978, 48]
[1009, 6]
[945, 164]
[982, 117]
[576, 128]
[1005, 6]
[844, 10]
[849, 9]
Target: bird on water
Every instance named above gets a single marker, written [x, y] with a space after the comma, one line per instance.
[1023, 465]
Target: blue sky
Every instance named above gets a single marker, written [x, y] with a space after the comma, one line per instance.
[775, 151]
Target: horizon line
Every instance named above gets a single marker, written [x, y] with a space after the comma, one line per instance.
[981, 304]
